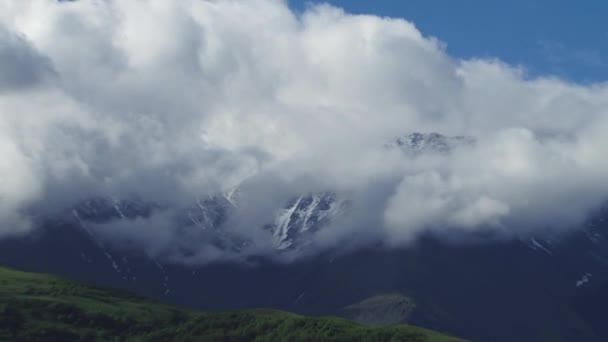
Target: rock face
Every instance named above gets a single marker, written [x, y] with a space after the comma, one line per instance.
[303, 215]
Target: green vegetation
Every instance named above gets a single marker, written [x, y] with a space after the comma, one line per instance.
[40, 307]
[381, 310]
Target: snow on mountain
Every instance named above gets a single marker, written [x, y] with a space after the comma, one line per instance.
[211, 212]
[584, 279]
[103, 209]
[304, 214]
[295, 224]
[92, 210]
[536, 245]
[291, 226]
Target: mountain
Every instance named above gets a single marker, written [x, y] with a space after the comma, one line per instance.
[48, 308]
[419, 143]
[501, 291]
[291, 227]
[528, 288]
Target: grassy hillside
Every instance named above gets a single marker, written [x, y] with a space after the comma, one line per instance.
[381, 310]
[40, 307]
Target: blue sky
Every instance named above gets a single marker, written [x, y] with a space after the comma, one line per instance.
[548, 37]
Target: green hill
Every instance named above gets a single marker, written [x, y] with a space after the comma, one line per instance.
[41, 307]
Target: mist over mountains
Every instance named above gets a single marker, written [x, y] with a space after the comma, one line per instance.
[227, 154]
[168, 103]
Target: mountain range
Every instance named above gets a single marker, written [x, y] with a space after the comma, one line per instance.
[551, 287]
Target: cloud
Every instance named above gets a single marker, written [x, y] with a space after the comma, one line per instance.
[21, 66]
[557, 53]
[174, 100]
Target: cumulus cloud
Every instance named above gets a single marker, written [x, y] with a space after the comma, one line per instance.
[170, 100]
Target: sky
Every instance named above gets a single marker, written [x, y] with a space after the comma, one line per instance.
[172, 101]
[568, 39]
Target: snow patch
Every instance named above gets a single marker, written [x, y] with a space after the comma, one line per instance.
[117, 208]
[282, 222]
[584, 279]
[538, 246]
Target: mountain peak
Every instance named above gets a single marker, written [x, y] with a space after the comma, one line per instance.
[417, 142]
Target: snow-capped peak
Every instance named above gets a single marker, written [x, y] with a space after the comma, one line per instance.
[304, 214]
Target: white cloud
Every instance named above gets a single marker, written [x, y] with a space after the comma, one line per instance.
[170, 100]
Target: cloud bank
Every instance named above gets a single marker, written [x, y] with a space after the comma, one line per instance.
[170, 100]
